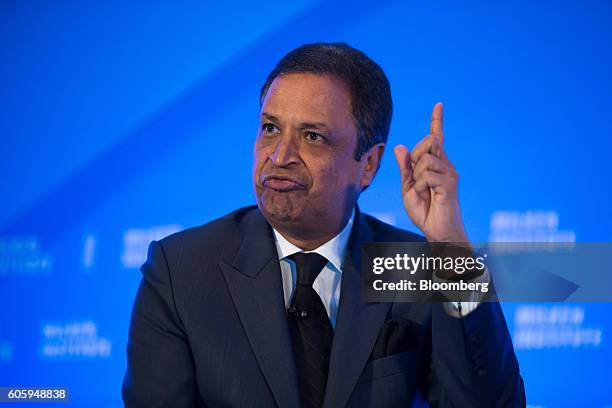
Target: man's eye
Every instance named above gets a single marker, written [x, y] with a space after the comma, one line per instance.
[314, 137]
[269, 128]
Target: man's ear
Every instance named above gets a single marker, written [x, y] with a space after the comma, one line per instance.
[371, 159]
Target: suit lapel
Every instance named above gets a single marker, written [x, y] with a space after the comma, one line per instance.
[357, 325]
[255, 284]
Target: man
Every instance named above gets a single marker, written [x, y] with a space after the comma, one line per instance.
[262, 307]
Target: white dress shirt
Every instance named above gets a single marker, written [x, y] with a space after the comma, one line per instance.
[327, 283]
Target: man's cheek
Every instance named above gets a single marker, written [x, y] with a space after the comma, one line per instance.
[259, 161]
[326, 181]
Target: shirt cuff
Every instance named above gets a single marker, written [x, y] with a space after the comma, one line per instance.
[462, 309]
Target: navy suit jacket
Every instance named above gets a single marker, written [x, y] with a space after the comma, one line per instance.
[209, 328]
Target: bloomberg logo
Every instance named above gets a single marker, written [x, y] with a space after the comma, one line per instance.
[75, 339]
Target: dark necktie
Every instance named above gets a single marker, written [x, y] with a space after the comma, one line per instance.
[311, 331]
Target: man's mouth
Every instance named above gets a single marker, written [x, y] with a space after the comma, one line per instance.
[282, 183]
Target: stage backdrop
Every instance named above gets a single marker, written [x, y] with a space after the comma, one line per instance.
[124, 122]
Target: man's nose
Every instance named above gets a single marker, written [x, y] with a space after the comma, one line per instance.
[285, 152]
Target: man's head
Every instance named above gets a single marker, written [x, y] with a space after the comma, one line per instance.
[325, 116]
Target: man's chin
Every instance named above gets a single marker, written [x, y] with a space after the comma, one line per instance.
[279, 208]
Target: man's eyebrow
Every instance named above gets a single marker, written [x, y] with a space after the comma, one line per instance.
[312, 125]
[301, 126]
[270, 117]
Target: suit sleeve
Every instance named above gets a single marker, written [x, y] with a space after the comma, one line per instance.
[160, 371]
[472, 360]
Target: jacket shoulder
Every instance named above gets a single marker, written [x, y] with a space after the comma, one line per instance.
[219, 236]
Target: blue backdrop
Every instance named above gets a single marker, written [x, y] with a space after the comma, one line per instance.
[122, 123]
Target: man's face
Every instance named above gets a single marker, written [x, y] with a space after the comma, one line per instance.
[304, 172]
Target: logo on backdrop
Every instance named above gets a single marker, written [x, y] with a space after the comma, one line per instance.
[22, 255]
[136, 241]
[89, 251]
[74, 340]
[528, 226]
[543, 326]
[540, 327]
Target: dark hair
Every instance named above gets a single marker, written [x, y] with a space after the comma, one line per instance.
[371, 102]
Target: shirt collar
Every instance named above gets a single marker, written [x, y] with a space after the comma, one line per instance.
[333, 250]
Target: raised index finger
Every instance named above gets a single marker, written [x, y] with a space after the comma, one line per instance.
[435, 126]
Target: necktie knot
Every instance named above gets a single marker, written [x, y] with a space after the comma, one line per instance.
[308, 266]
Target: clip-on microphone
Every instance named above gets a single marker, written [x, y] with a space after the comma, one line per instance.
[296, 312]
